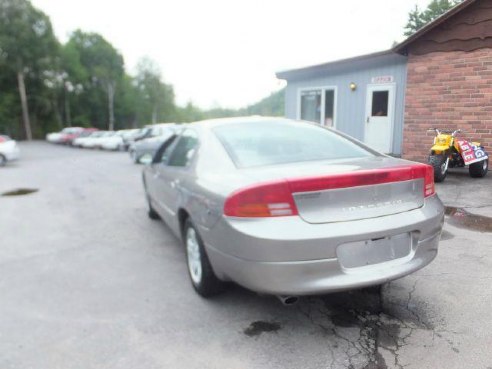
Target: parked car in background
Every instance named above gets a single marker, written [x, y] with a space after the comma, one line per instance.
[70, 137]
[58, 137]
[129, 136]
[143, 150]
[141, 134]
[113, 142]
[120, 140]
[291, 208]
[94, 142]
[151, 130]
[80, 141]
[9, 150]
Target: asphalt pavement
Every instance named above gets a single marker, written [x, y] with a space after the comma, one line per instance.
[87, 280]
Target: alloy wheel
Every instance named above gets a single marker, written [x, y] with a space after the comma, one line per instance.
[194, 256]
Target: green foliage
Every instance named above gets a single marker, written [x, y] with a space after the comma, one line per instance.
[156, 97]
[27, 47]
[272, 105]
[83, 82]
[417, 19]
[26, 36]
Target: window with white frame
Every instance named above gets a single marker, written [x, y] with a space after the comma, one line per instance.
[317, 105]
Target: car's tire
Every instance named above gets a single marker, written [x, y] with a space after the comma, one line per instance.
[480, 169]
[3, 160]
[202, 276]
[438, 162]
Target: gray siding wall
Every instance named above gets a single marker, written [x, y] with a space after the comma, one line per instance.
[351, 105]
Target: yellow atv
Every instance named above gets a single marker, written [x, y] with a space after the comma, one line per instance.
[450, 152]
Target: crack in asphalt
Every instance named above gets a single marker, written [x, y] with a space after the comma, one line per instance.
[369, 328]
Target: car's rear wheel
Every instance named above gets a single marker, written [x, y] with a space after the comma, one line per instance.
[480, 169]
[201, 273]
[438, 162]
[3, 160]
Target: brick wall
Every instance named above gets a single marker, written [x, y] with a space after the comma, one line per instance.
[447, 90]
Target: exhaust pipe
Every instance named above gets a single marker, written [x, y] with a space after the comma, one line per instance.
[288, 300]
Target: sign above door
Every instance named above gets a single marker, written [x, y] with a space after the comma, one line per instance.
[382, 79]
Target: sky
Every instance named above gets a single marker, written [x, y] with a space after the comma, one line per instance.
[226, 52]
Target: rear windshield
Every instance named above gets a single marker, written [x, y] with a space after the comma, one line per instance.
[280, 142]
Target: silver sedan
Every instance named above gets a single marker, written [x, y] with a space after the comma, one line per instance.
[290, 208]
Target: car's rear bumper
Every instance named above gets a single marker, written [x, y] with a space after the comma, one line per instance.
[303, 259]
[321, 276]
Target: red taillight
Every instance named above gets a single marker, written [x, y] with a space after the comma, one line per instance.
[429, 188]
[272, 199]
[275, 199]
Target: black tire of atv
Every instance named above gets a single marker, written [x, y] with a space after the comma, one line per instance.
[480, 169]
[209, 285]
[437, 162]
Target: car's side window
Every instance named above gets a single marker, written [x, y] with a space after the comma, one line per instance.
[162, 156]
[184, 149]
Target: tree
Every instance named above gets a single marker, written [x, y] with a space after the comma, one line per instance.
[74, 77]
[104, 67]
[272, 105]
[417, 19]
[26, 43]
[157, 98]
[148, 81]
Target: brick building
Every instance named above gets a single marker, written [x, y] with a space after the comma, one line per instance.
[439, 77]
[449, 77]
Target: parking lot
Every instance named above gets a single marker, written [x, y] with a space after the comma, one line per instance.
[87, 280]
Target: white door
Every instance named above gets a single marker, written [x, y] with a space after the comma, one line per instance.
[380, 107]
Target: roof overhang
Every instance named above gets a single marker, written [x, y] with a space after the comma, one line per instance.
[378, 58]
[402, 46]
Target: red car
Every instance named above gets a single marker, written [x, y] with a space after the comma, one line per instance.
[69, 137]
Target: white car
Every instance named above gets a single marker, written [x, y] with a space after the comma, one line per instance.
[80, 141]
[94, 142]
[8, 150]
[57, 137]
[114, 142]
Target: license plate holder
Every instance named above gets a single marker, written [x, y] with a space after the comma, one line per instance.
[374, 251]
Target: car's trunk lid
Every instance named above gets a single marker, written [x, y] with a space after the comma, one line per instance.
[353, 189]
[359, 202]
